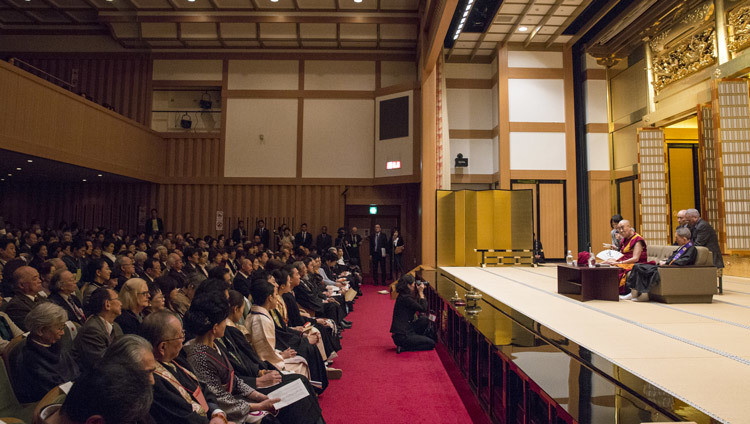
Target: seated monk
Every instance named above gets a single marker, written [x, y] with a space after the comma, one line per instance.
[643, 277]
[633, 249]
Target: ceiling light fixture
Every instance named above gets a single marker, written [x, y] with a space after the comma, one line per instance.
[84, 180]
[523, 29]
[2, 179]
[99, 175]
[463, 19]
[10, 175]
[29, 161]
[274, 1]
[18, 169]
[357, 1]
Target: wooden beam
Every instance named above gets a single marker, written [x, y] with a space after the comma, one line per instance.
[437, 30]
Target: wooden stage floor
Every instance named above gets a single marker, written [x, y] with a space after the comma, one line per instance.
[699, 353]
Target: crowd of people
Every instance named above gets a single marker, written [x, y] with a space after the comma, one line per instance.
[638, 275]
[200, 329]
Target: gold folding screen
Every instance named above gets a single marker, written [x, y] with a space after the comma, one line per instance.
[488, 219]
[653, 188]
[732, 121]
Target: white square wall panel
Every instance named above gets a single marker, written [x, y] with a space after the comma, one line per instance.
[536, 100]
[188, 70]
[537, 151]
[339, 75]
[261, 138]
[597, 147]
[534, 59]
[596, 101]
[263, 75]
[469, 109]
[338, 136]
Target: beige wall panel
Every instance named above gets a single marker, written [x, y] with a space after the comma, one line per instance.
[339, 75]
[480, 154]
[338, 138]
[263, 74]
[536, 100]
[624, 143]
[596, 101]
[393, 73]
[246, 155]
[187, 70]
[469, 70]
[537, 151]
[551, 220]
[629, 91]
[470, 109]
[591, 63]
[535, 59]
[598, 151]
[681, 102]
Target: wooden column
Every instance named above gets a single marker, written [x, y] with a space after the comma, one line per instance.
[429, 171]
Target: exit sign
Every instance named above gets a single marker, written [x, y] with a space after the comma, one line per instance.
[395, 164]
[373, 210]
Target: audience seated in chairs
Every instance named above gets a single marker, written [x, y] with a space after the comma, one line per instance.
[40, 363]
[292, 329]
[100, 329]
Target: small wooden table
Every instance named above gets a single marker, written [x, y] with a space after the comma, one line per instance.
[590, 283]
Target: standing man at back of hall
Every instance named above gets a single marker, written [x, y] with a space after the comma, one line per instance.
[154, 225]
[378, 253]
[303, 238]
[352, 243]
[262, 232]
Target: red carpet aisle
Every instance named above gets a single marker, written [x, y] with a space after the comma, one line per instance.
[382, 387]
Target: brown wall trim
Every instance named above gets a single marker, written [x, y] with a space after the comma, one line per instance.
[300, 134]
[299, 94]
[471, 134]
[469, 83]
[525, 174]
[402, 179]
[570, 160]
[597, 128]
[537, 127]
[535, 73]
[472, 178]
[469, 59]
[398, 88]
[187, 55]
[599, 175]
[596, 74]
[534, 47]
[191, 135]
[185, 84]
[503, 119]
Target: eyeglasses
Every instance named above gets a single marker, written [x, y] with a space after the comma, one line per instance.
[143, 293]
[182, 336]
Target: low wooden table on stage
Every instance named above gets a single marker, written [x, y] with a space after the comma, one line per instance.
[590, 283]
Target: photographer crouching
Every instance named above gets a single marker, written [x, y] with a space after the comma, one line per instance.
[409, 330]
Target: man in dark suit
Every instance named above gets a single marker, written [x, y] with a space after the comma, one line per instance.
[262, 232]
[100, 330]
[352, 242]
[242, 280]
[154, 225]
[175, 269]
[239, 234]
[704, 235]
[378, 253]
[73, 258]
[324, 241]
[151, 271]
[28, 286]
[303, 238]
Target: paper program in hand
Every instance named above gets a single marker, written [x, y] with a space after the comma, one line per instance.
[289, 394]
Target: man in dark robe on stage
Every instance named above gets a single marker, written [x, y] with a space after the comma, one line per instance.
[643, 277]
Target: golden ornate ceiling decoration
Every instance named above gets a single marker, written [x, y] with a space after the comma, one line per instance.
[690, 55]
[738, 28]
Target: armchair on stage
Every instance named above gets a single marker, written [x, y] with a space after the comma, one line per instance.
[683, 284]
[486, 227]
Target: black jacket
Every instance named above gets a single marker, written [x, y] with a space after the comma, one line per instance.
[58, 300]
[37, 369]
[382, 243]
[242, 284]
[403, 313]
[169, 406]
[704, 235]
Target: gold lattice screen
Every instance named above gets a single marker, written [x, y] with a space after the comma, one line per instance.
[732, 108]
[709, 185]
[652, 176]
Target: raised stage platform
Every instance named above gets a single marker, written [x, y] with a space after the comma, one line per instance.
[613, 362]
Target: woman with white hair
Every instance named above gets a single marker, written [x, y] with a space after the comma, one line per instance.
[135, 297]
[41, 363]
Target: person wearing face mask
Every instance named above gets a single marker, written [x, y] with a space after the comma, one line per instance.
[41, 363]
